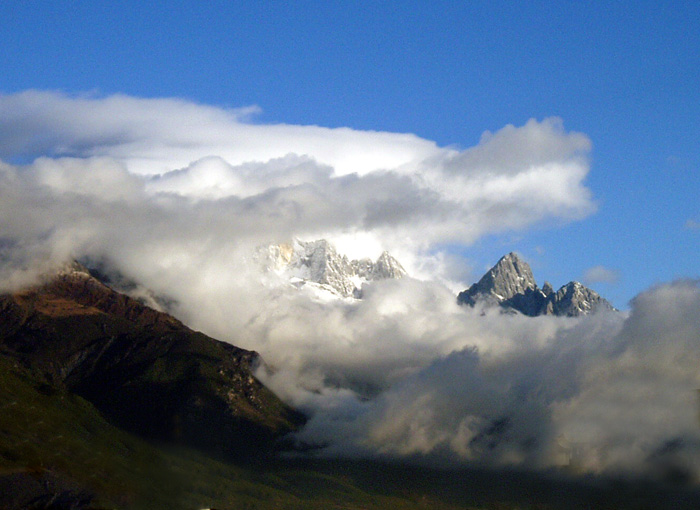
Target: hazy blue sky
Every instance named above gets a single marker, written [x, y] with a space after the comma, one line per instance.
[626, 74]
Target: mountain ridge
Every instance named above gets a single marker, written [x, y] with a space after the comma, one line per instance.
[143, 369]
[511, 285]
[318, 263]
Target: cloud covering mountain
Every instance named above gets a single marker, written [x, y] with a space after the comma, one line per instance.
[364, 190]
[177, 195]
[608, 392]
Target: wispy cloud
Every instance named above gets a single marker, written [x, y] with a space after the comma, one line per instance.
[601, 274]
[692, 224]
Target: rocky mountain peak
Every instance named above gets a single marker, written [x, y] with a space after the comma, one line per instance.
[547, 289]
[324, 265]
[575, 299]
[511, 285]
[72, 269]
[319, 263]
[511, 276]
[387, 266]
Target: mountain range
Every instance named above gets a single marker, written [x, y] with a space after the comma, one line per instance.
[318, 265]
[511, 285]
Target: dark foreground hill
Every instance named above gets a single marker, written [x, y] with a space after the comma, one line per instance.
[143, 369]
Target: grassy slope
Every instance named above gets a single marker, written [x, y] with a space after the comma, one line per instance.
[44, 429]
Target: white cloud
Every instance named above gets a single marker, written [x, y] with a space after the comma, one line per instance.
[154, 136]
[600, 274]
[692, 224]
[367, 190]
[610, 393]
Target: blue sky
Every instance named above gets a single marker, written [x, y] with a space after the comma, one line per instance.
[626, 74]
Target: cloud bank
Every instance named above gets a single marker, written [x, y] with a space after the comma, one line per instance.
[189, 164]
[177, 195]
[610, 393]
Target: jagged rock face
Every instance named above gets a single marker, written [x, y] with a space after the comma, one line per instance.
[511, 285]
[325, 266]
[386, 267]
[363, 268]
[318, 262]
[510, 277]
[573, 299]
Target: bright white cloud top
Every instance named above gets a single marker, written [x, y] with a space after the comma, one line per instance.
[395, 191]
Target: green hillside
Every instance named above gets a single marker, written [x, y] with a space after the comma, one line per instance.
[50, 434]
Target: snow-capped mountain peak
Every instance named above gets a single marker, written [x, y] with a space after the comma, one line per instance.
[319, 264]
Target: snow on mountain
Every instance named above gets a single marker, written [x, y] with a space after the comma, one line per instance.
[511, 285]
[317, 266]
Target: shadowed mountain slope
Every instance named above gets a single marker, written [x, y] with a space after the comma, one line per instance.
[146, 371]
